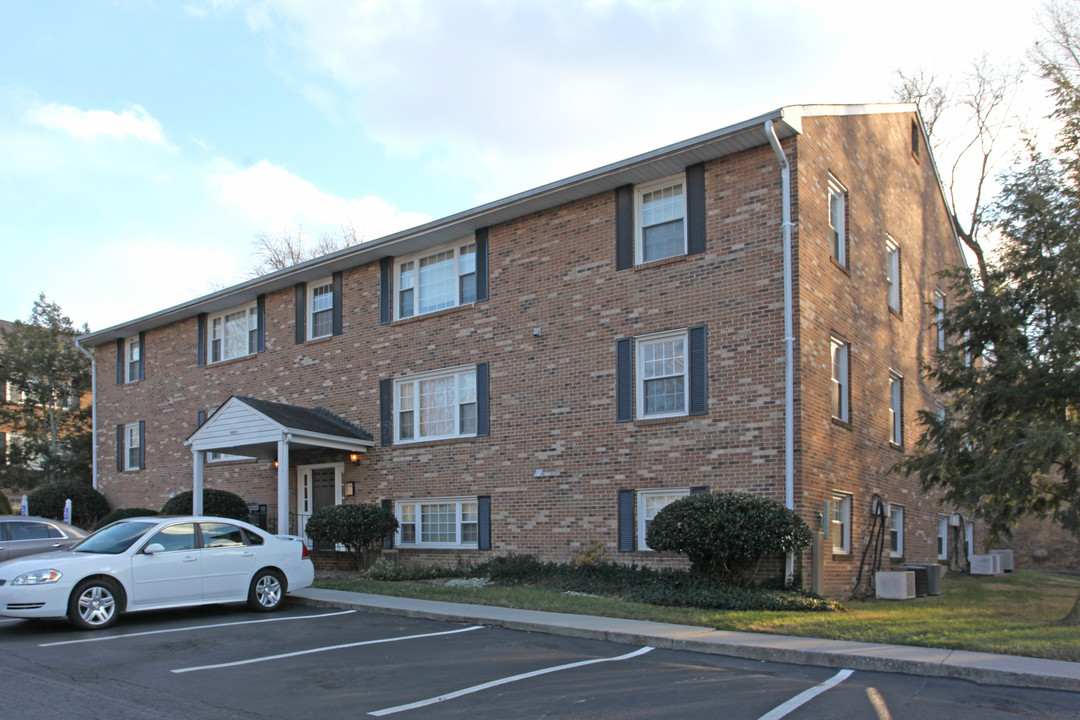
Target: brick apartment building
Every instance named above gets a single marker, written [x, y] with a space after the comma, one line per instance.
[549, 370]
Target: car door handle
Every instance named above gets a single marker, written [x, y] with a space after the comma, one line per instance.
[248, 553]
[190, 558]
[58, 545]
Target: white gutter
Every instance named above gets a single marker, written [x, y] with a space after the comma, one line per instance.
[93, 412]
[789, 337]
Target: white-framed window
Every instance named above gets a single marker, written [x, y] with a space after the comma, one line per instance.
[233, 333]
[663, 387]
[896, 530]
[650, 502]
[437, 279]
[840, 528]
[939, 318]
[320, 303]
[896, 409]
[439, 523]
[838, 220]
[892, 269]
[224, 457]
[660, 219]
[12, 395]
[943, 537]
[969, 539]
[841, 406]
[132, 446]
[132, 356]
[435, 405]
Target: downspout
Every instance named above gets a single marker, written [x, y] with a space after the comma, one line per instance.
[93, 412]
[789, 338]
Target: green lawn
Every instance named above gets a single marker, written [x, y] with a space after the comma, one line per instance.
[1014, 613]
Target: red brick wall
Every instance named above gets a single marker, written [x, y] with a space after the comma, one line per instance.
[553, 395]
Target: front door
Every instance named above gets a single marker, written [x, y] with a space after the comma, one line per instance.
[319, 486]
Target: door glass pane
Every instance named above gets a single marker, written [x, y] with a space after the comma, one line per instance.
[216, 535]
[176, 537]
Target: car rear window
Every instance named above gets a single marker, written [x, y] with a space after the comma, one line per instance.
[30, 530]
[115, 538]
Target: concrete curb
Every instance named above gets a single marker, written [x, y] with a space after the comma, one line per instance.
[981, 668]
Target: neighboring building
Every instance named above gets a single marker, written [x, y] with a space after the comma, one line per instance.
[549, 370]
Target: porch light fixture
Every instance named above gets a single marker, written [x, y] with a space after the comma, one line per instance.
[275, 464]
[355, 458]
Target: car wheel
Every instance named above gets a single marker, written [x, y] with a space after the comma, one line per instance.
[267, 591]
[95, 604]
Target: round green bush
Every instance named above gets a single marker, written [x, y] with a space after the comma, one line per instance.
[220, 503]
[725, 535]
[5, 505]
[121, 514]
[87, 504]
[359, 527]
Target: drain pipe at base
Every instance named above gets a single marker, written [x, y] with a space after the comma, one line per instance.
[93, 412]
[789, 339]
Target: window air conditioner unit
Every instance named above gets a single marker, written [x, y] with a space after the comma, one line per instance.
[876, 506]
[954, 520]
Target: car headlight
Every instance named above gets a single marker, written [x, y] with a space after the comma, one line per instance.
[38, 577]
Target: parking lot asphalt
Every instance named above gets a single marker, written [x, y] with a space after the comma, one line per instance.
[317, 661]
[982, 668]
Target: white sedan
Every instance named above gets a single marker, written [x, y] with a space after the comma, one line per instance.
[150, 563]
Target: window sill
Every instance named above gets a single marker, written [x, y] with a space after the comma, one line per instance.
[403, 444]
[647, 422]
[132, 382]
[230, 361]
[894, 446]
[434, 313]
[444, 548]
[846, 424]
[661, 262]
[318, 340]
[842, 557]
[898, 314]
[840, 266]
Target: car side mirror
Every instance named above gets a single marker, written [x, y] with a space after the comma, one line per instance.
[154, 548]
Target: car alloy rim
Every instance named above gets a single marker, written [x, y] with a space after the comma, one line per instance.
[96, 605]
[268, 591]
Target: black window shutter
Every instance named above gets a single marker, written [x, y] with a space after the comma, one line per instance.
[483, 522]
[260, 323]
[700, 490]
[699, 395]
[624, 380]
[119, 448]
[386, 269]
[142, 356]
[695, 209]
[337, 313]
[626, 520]
[386, 406]
[483, 421]
[301, 312]
[120, 362]
[3, 449]
[142, 444]
[201, 342]
[481, 264]
[202, 418]
[624, 227]
[388, 506]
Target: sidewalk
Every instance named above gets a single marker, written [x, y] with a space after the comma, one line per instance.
[983, 668]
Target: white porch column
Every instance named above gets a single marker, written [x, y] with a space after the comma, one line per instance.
[197, 482]
[283, 485]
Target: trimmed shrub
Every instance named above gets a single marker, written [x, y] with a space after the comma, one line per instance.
[220, 503]
[383, 569]
[121, 514]
[726, 535]
[5, 505]
[359, 527]
[87, 504]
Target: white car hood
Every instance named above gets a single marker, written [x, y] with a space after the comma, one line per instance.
[57, 560]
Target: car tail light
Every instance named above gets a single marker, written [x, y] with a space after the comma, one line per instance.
[304, 552]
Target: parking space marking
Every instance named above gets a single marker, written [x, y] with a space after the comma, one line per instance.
[806, 696]
[193, 627]
[324, 649]
[504, 681]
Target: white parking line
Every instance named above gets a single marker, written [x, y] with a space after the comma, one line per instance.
[504, 681]
[806, 696]
[194, 627]
[324, 649]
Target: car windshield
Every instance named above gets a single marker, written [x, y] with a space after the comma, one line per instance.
[115, 538]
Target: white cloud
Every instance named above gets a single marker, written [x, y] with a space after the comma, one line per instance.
[134, 122]
[273, 197]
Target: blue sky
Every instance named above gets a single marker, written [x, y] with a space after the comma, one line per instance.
[143, 143]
